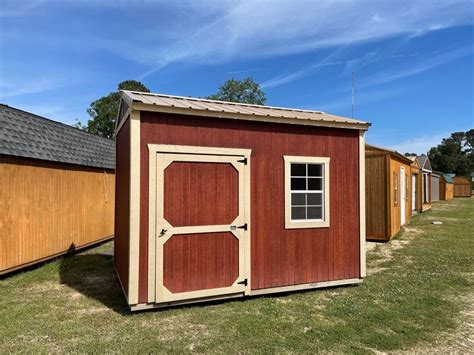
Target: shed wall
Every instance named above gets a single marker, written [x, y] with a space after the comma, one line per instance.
[376, 199]
[446, 190]
[425, 205]
[279, 257]
[122, 212]
[416, 174]
[395, 213]
[434, 188]
[462, 186]
[49, 208]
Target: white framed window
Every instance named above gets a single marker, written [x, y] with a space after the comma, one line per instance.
[306, 192]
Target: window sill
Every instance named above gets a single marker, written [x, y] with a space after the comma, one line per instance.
[306, 225]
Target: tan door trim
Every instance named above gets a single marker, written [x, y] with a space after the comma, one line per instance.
[362, 231]
[403, 197]
[160, 157]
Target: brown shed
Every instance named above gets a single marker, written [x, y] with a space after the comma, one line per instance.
[462, 186]
[387, 192]
[219, 200]
[446, 186]
[416, 186]
[56, 188]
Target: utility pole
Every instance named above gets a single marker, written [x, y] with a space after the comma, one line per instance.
[353, 100]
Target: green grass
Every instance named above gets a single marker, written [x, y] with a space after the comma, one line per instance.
[413, 298]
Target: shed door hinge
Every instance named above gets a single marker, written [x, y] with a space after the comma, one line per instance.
[243, 161]
[244, 282]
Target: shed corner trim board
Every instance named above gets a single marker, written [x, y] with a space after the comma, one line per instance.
[134, 246]
[362, 212]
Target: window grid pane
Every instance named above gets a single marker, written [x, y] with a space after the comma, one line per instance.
[307, 191]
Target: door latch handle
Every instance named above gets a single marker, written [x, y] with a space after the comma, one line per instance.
[244, 227]
[163, 231]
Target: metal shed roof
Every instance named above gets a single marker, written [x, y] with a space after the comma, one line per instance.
[449, 178]
[28, 135]
[224, 109]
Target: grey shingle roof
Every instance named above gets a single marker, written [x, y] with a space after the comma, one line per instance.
[424, 162]
[31, 136]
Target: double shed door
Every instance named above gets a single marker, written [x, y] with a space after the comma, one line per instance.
[200, 233]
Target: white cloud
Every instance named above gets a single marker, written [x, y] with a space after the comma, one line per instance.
[27, 86]
[418, 145]
[361, 99]
[283, 79]
[219, 31]
[45, 110]
[253, 29]
[435, 60]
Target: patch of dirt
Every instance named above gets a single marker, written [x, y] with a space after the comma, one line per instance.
[411, 232]
[399, 244]
[44, 287]
[369, 246]
[54, 287]
[91, 310]
[444, 219]
[284, 300]
[384, 251]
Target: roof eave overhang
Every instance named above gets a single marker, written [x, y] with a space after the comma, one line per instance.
[119, 121]
[140, 106]
[402, 158]
[392, 153]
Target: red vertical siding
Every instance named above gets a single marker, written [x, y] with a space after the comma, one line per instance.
[200, 194]
[279, 257]
[122, 205]
[200, 261]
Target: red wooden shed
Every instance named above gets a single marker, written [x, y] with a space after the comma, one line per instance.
[219, 200]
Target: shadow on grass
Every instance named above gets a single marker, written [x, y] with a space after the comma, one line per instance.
[93, 275]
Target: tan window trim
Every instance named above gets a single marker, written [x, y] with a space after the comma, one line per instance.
[291, 224]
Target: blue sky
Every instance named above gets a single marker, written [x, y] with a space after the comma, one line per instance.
[414, 60]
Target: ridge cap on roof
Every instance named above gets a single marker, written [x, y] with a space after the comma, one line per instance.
[49, 120]
[278, 108]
